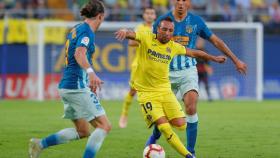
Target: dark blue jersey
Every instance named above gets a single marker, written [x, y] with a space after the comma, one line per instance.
[185, 33]
[75, 77]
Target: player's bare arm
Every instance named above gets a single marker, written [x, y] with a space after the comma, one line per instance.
[125, 34]
[201, 54]
[220, 44]
[133, 43]
[94, 81]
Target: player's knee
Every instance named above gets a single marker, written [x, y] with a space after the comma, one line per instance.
[190, 101]
[132, 92]
[83, 133]
[179, 123]
[181, 128]
[191, 109]
[106, 127]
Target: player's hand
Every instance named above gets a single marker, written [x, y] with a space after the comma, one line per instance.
[94, 82]
[241, 67]
[220, 59]
[121, 34]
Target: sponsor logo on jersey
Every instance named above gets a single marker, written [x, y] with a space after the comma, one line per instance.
[183, 40]
[159, 55]
[85, 41]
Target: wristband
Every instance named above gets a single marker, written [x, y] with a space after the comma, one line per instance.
[89, 70]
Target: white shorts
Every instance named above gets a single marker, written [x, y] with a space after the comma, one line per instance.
[80, 104]
[183, 81]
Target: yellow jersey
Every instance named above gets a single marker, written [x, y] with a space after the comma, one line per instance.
[140, 28]
[153, 62]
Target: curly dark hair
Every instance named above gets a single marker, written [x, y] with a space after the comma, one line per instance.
[92, 9]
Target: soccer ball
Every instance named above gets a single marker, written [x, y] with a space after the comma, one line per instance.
[153, 151]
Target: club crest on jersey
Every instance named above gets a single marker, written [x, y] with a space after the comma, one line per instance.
[168, 50]
[85, 41]
[189, 29]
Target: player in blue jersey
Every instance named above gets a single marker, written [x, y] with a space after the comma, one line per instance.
[77, 88]
[183, 72]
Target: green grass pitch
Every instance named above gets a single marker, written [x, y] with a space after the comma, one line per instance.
[227, 129]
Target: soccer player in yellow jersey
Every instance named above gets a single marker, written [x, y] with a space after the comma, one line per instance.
[149, 15]
[159, 105]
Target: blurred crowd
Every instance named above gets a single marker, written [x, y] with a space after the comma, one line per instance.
[265, 11]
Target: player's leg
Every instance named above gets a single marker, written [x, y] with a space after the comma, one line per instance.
[102, 128]
[151, 110]
[174, 113]
[170, 101]
[128, 98]
[154, 113]
[125, 107]
[71, 110]
[190, 101]
[154, 137]
[61, 137]
[66, 135]
[171, 137]
[156, 133]
[178, 123]
[95, 115]
[189, 89]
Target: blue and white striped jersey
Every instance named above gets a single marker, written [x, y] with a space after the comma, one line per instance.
[75, 77]
[185, 33]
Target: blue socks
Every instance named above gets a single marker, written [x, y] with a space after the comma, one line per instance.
[60, 137]
[154, 137]
[191, 132]
[93, 145]
[49, 141]
[94, 142]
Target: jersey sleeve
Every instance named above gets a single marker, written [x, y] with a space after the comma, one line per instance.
[204, 31]
[180, 49]
[137, 28]
[83, 40]
[140, 36]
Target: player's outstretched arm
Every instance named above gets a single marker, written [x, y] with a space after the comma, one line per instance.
[94, 81]
[201, 54]
[241, 67]
[122, 34]
[133, 43]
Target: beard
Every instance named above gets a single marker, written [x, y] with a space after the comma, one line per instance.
[164, 40]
